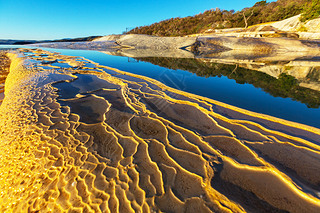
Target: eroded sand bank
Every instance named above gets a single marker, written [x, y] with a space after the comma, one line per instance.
[77, 136]
[4, 70]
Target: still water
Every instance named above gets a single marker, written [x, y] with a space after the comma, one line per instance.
[218, 87]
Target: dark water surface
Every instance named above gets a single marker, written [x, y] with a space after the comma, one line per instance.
[220, 88]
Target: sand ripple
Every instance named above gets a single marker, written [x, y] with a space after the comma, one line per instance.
[80, 137]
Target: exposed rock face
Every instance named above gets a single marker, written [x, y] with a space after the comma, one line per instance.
[89, 138]
[307, 30]
[290, 24]
[211, 44]
[150, 42]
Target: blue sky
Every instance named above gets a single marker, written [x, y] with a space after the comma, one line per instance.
[54, 19]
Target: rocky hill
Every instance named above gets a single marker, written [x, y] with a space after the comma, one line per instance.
[215, 19]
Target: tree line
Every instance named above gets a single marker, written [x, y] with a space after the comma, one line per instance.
[261, 12]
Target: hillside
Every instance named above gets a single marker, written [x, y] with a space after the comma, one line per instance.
[261, 12]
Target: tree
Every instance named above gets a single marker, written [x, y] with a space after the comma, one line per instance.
[311, 11]
[247, 18]
[260, 3]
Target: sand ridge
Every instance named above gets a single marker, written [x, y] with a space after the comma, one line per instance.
[80, 137]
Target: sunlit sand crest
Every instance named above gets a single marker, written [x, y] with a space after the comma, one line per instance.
[77, 136]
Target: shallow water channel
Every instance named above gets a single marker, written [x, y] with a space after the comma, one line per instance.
[228, 83]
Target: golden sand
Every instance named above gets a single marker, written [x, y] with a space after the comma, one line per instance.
[89, 138]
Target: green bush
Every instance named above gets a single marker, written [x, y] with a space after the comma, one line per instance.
[311, 10]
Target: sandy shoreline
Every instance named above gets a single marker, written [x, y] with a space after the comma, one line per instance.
[123, 143]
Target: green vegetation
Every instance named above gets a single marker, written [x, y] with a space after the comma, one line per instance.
[311, 10]
[285, 86]
[212, 19]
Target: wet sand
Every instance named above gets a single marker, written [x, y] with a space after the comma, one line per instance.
[77, 136]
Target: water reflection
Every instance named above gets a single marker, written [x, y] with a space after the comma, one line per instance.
[249, 86]
[255, 85]
[277, 83]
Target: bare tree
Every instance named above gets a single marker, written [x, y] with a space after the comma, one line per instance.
[246, 18]
[234, 70]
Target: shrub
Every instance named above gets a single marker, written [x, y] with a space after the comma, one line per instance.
[311, 10]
